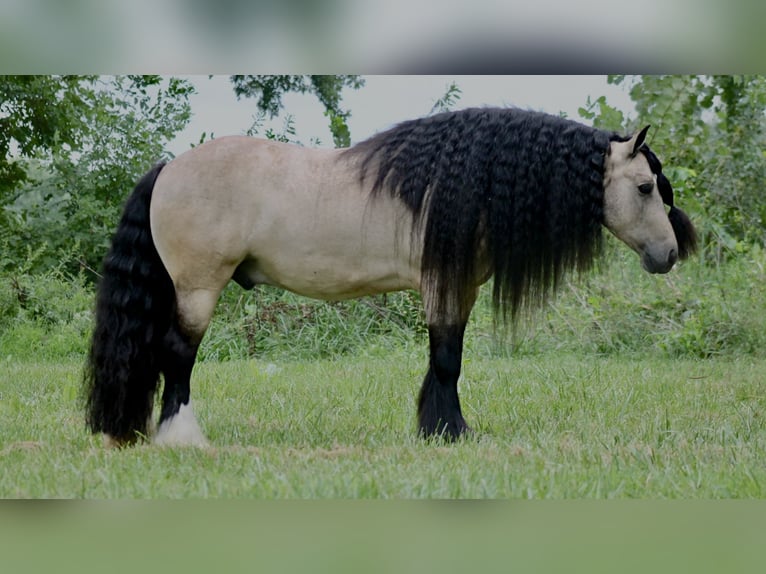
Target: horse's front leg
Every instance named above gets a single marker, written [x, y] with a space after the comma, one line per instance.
[439, 411]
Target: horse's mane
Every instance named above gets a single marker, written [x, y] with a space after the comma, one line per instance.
[525, 185]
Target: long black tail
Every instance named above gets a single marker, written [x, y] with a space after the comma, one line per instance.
[134, 306]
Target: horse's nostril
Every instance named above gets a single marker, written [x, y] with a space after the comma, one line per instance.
[672, 256]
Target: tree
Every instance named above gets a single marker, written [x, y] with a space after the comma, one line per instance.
[80, 144]
[38, 114]
[268, 92]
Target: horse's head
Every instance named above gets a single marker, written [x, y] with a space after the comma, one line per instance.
[634, 192]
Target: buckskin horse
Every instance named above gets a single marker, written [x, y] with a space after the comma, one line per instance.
[438, 204]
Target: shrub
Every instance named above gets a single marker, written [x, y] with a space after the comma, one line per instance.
[45, 316]
[697, 310]
[270, 322]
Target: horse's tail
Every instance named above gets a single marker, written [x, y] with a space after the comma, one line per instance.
[134, 307]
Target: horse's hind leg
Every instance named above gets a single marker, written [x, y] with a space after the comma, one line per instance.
[178, 426]
[439, 412]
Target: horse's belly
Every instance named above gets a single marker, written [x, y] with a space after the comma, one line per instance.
[328, 277]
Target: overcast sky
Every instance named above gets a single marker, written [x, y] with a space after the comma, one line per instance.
[386, 100]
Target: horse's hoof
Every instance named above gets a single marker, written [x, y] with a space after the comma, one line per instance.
[113, 442]
[449, 432]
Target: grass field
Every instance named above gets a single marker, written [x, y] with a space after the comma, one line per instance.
[626, 386]
[547, 426]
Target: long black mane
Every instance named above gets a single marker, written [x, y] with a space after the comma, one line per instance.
[524, 188]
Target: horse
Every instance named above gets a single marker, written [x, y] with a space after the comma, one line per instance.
[437, 204]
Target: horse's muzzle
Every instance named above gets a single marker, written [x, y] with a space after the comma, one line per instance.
[659, 262]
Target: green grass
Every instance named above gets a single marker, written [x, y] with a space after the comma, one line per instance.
[547, 426]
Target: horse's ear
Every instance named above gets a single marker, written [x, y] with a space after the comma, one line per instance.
[638, 140]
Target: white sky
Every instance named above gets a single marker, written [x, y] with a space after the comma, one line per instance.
[386, 100]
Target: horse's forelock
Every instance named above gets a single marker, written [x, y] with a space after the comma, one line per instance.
[665, 189]
[663, 184]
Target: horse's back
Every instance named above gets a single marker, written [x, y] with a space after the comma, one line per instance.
[274, 213]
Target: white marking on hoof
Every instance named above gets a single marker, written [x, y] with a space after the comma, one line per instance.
[182, 429]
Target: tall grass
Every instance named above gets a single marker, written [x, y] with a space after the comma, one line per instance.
[272, 323]
[700, 309]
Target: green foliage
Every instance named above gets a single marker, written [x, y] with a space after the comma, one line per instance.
[285, 135]
[448, 100]
[39, 113]
[75, 186]
[698, 310]
[602, 115]
[341, 135]
[268, 92]
[45, 316]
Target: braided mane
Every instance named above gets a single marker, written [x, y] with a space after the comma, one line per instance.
[525, 186]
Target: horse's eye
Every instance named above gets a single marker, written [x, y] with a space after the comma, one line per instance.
[646, 188]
